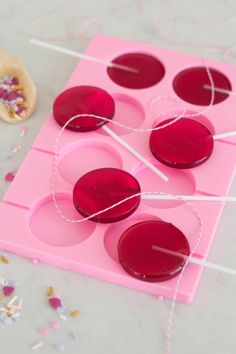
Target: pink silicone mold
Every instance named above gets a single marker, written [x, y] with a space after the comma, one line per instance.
[30, 224]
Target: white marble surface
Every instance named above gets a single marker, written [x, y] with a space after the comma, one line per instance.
[114, 319]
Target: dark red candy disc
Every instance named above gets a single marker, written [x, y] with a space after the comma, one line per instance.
[183, 144]
[82, 100]
[139, 258]
[102, 188]
[149, 71]
[189, 85]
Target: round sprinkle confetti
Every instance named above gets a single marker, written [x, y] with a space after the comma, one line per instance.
[55, 325]
[44, 331]
[35, 260]
[61, 347]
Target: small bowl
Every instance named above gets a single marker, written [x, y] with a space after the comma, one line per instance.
[13, 67]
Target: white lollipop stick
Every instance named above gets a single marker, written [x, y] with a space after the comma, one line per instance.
[82, 56]
[220, 90]
[134, 152]
[198, 261]
[188, 197]
[224, 135]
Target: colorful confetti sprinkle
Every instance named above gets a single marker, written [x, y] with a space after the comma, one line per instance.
[10, 176]
[37, 345]
[55, 325]
[11, 95]
[75, 313]
[44, 331]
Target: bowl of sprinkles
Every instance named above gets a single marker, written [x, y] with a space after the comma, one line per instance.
[17, 90]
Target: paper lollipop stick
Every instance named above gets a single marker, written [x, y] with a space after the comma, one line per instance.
[198, 261]
[219, 89]
[152, 195]
[135, 153]
[82, 56]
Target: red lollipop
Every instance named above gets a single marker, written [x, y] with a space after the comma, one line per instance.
[193, 86]
[99, 189]
[183, 144]
[143, 250]
[82, 100]
[149, 71]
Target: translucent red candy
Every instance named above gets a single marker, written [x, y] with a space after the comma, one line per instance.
[189, 85]
[100, 189]
[149, 71]
[183, 144]
[82, 100]
[142, 261]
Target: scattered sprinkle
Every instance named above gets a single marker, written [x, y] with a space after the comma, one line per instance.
[8, 290]
[12, 300]
[50, 292]
[44, 331]
[37, 345]
[10, 176]
[64, 318]
[75, 336]
[16, 149]
[75, 313]
[35, 260]
[55, 302]
[23, 130]
[61, 347]
[4, 259]
[1, 297]
[55, 325]
[11, 96]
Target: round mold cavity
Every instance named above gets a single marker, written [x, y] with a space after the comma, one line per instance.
[180, 183]
[172, 114]
[114, 232]
[81, 157]
[189, 85]
[150, 71]
[50, 228]
[129, 112]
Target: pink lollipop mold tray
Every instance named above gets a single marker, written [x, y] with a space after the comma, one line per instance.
[30, 224]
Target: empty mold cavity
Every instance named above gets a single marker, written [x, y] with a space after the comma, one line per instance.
[114, 232]
[147, 71]
[52, 229]
[84, 156]
[129, 112]
[191, 85]
[180, 183]
[187, 113]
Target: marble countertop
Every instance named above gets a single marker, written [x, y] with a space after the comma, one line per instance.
[114, 319]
